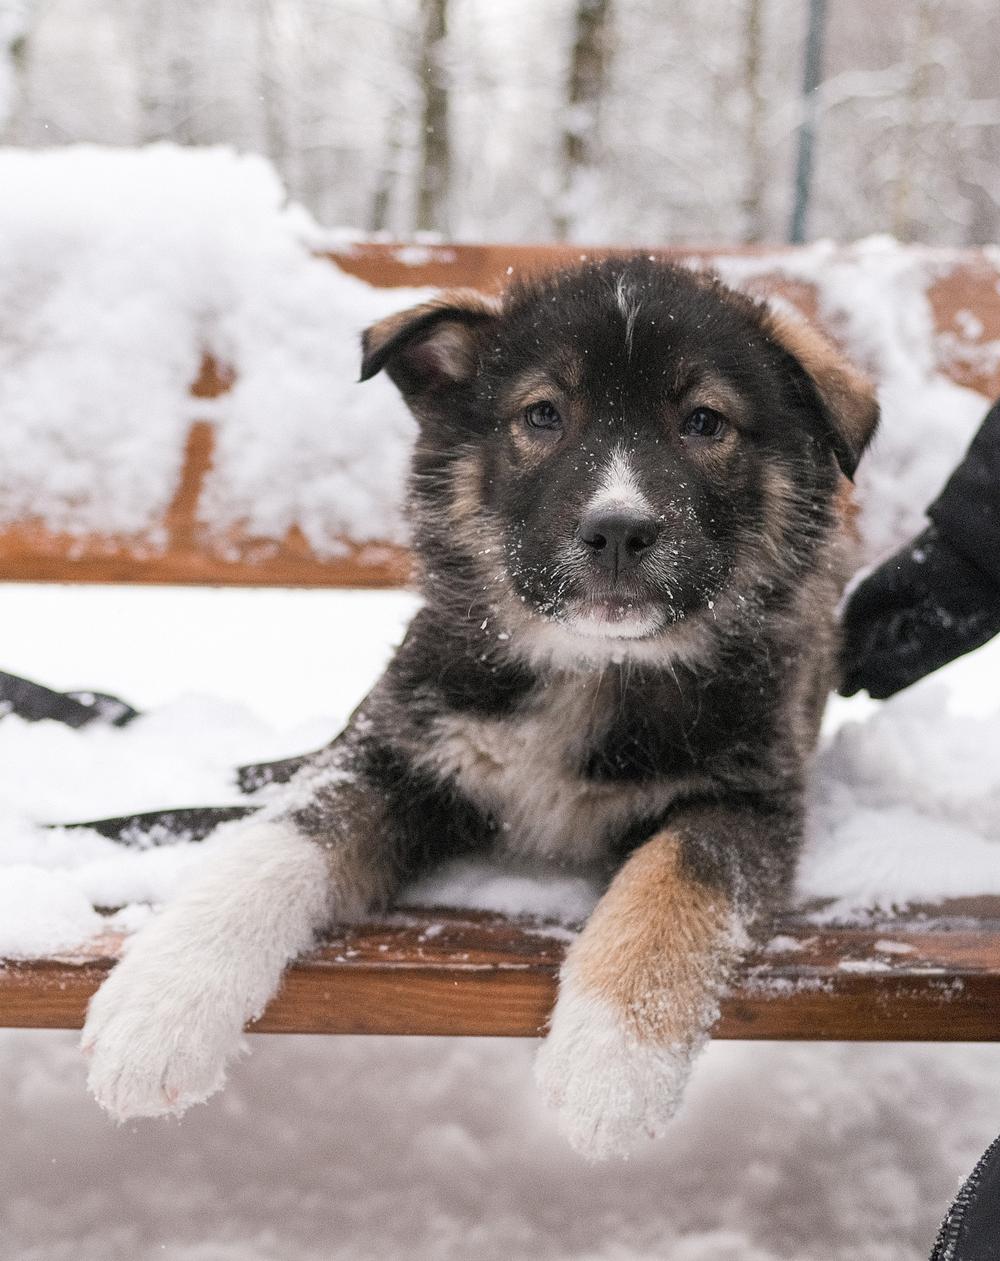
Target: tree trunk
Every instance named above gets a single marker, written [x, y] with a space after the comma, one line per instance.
[914, 121]
[812, 74]
[15, 31]
[388, 171]
[585, 90]
[274, 77]
[167, 36]
[435, 148]
[756, 170]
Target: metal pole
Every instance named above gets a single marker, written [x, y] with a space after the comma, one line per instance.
[807, 127]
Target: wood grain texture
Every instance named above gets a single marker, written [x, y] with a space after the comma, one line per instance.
[928, 977]
[964, 297]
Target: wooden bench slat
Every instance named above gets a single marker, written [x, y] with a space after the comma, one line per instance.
[474, 974]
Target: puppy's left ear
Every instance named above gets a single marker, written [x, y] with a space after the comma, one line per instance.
[430, 347]
[848, 397]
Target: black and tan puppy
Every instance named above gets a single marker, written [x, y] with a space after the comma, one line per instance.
[624, 500]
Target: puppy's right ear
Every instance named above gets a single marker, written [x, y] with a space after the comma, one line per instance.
[430, 347]
[847, 396]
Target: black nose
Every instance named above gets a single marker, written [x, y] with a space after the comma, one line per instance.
[617, 540]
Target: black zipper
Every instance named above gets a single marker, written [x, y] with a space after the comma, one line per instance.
[951, 1227]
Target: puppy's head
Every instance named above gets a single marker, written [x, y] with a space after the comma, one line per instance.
[614, 449]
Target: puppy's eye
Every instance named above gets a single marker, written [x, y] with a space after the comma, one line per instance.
[703, 422]
[542, 416]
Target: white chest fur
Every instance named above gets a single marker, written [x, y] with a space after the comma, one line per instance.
[525, 770]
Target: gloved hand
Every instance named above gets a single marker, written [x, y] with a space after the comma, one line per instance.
[920, 609]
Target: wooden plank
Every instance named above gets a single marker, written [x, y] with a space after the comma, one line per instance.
[964, 297]
[933, 976]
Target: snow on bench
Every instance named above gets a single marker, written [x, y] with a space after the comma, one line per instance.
[253, 456]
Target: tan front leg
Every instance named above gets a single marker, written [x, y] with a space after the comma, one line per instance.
[638, 993]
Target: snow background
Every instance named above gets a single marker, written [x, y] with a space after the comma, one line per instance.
[430, 1148]
[694, 139]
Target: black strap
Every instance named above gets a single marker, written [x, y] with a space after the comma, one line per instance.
[163, 827]
[33, 702]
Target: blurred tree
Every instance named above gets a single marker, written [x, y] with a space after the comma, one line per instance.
[585, 91]
[456, 115]
[812, 73]
[15, 29]
[388, 170]
[167, 48]
[754, 228]
[434, 171]
[275, 69]
[914, 103]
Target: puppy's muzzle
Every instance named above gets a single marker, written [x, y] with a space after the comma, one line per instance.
[617, 541]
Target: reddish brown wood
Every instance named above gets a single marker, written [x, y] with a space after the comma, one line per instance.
[965, 300]
[467, 974]
[29, 553]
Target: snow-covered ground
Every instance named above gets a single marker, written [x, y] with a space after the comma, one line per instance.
[424, 1148]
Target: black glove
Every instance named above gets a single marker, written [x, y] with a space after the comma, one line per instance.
[920, 609]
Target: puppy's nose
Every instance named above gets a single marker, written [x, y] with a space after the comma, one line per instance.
[617, 540]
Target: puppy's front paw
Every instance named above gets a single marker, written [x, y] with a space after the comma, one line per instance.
[155, 1048]
[610, 1086]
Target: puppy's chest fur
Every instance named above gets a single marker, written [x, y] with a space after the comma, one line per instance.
[565, 776]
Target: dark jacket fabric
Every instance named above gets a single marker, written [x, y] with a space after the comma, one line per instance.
[938, 597]
[967, 512]
[971, 1229]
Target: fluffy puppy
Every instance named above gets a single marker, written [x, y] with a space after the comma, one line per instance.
[624, 500]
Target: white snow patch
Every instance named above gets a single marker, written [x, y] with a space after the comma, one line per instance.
[863, 965]
[119, 270]
[42, 913]
[906, 805]
[512, 888]
[782, 944]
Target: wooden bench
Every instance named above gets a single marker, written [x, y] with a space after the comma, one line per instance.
[933, 974]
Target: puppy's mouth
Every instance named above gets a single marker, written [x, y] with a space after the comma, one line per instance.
[613, 617]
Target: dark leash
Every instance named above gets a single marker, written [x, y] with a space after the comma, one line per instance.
[33, 702]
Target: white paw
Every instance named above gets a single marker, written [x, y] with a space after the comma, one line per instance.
[156, 1044]
[610, 1087]
[165, 1024]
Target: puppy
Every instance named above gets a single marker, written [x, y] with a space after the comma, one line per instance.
[624, 499]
